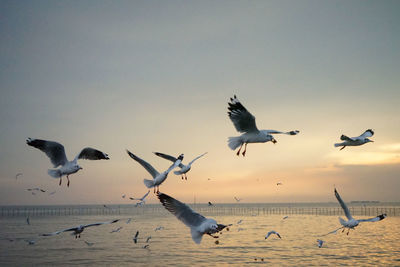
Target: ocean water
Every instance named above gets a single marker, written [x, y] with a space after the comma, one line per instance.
[370, 244]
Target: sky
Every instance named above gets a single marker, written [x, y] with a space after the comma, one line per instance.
[157, 75]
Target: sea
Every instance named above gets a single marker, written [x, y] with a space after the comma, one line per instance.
[243, 243]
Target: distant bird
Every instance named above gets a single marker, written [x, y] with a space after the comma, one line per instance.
[239, 222]
[30, 242]
[279, 183]
[136, 237]
[320, 242]
[18, 175]
[237, 199]
[148, 239]
[245, 123]
[77, 230]
[131, 198]
[146, 246]
[52, 193]
[198, 224]
[129, 220]
[351, 223]
[123, 196]
[28, 222]
[36, 189]
[159, 228]
[272, 232]
[89, 243]
[355, 141]
[184, 168]
[105, 206]
[142, 200]
[210, 204]
[116, 230]
[55, 151]
[284, 218]
[158, 178]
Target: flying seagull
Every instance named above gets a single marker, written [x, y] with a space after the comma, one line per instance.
[142, 200]
[237, 199]
[136, 237]
[148, 239]
[18, 175]
[158, 178]
[89, 243]
[28, 222]
[355, 141]
[279, 183]
[198, 224]
[55, 151]
[159, 228]
[320, 242]
[351, 223]
[77, 230]
[272, 232]
[210, 204]
[116, 230]
[245, 123]
[184, 168]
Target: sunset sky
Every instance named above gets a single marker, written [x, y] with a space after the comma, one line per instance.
[157, 75]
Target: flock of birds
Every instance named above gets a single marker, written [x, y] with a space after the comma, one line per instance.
[199, 225]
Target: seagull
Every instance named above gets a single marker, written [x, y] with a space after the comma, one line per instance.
[17, 175]
[123, 196]
[55, 151]
[146, 246]
[245, 123]
[279, 183]
[198, 224]
[77, 230]
[184, 168]
[129, 220]
[237, 199]
[159, 228]
[351, 223]
[52, 193]
[135, 237]
[158, 178]
[210, 204]
[30, 242]
[239, 222]
[142, 199]
[272, 232]
[148, 239]
[89, 243]
[28, 222]
[355, 141]
[320, 242]
[284, 218]
[116, 230]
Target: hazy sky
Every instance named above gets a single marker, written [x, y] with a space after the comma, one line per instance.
[156, 76]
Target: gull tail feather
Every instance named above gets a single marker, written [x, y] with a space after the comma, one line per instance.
[54, 173]
[148, 183]
[234, 142]
[338, 144]
[342, 221]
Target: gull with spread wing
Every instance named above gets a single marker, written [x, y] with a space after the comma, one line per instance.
[245, 123]
[77, 230]
[142, 200]
[198, 224]
[355, 141]
[351, 223]
[184, 168]
[272, 232]
[55, 151]
[158, 178]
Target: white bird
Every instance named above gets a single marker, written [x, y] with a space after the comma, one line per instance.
[351, 223]
[89, 243]
[129, 220]
[245, 123]
[239, 222]
[198, 224]
[77, 230]
[123, 196]
[159, 228]
[18, 175]
[116, 230]
[30, 242]
[237, 199]
[136, 237]
[56, 152]
[272, 232]
[320, 242]
[284, 218]
[355, 141]
[279, 183]
[146, 246]
[184, 168]
[142, 200]
[148, 239]
[158, 178]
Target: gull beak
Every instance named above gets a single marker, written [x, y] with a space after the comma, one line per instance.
[274, 141]
[80, 168]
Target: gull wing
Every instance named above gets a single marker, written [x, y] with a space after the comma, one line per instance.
[91, 154]
[333, 232]
[375, 219]
[55, 151]
[178, 162]
[295, 132]
[181, 211]
[242, 119]
[196, 158]
[100, 223]
[344, 206]
[145, 165]
[346, 138]
[168, 157]
[142, 198]
[367, 133]
[61, 231]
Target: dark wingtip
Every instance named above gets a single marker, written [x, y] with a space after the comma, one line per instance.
[382, 216]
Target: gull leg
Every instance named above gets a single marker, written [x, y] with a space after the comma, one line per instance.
[239, 149]
[342, 148]
[68, 181]
[343, 230]
[348, 231]
[60, 181]
[182, 176]
[154, 191]
[185, 177]
[245, 149]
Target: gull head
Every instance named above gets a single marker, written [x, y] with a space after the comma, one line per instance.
[273, 140]
[181, 156]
